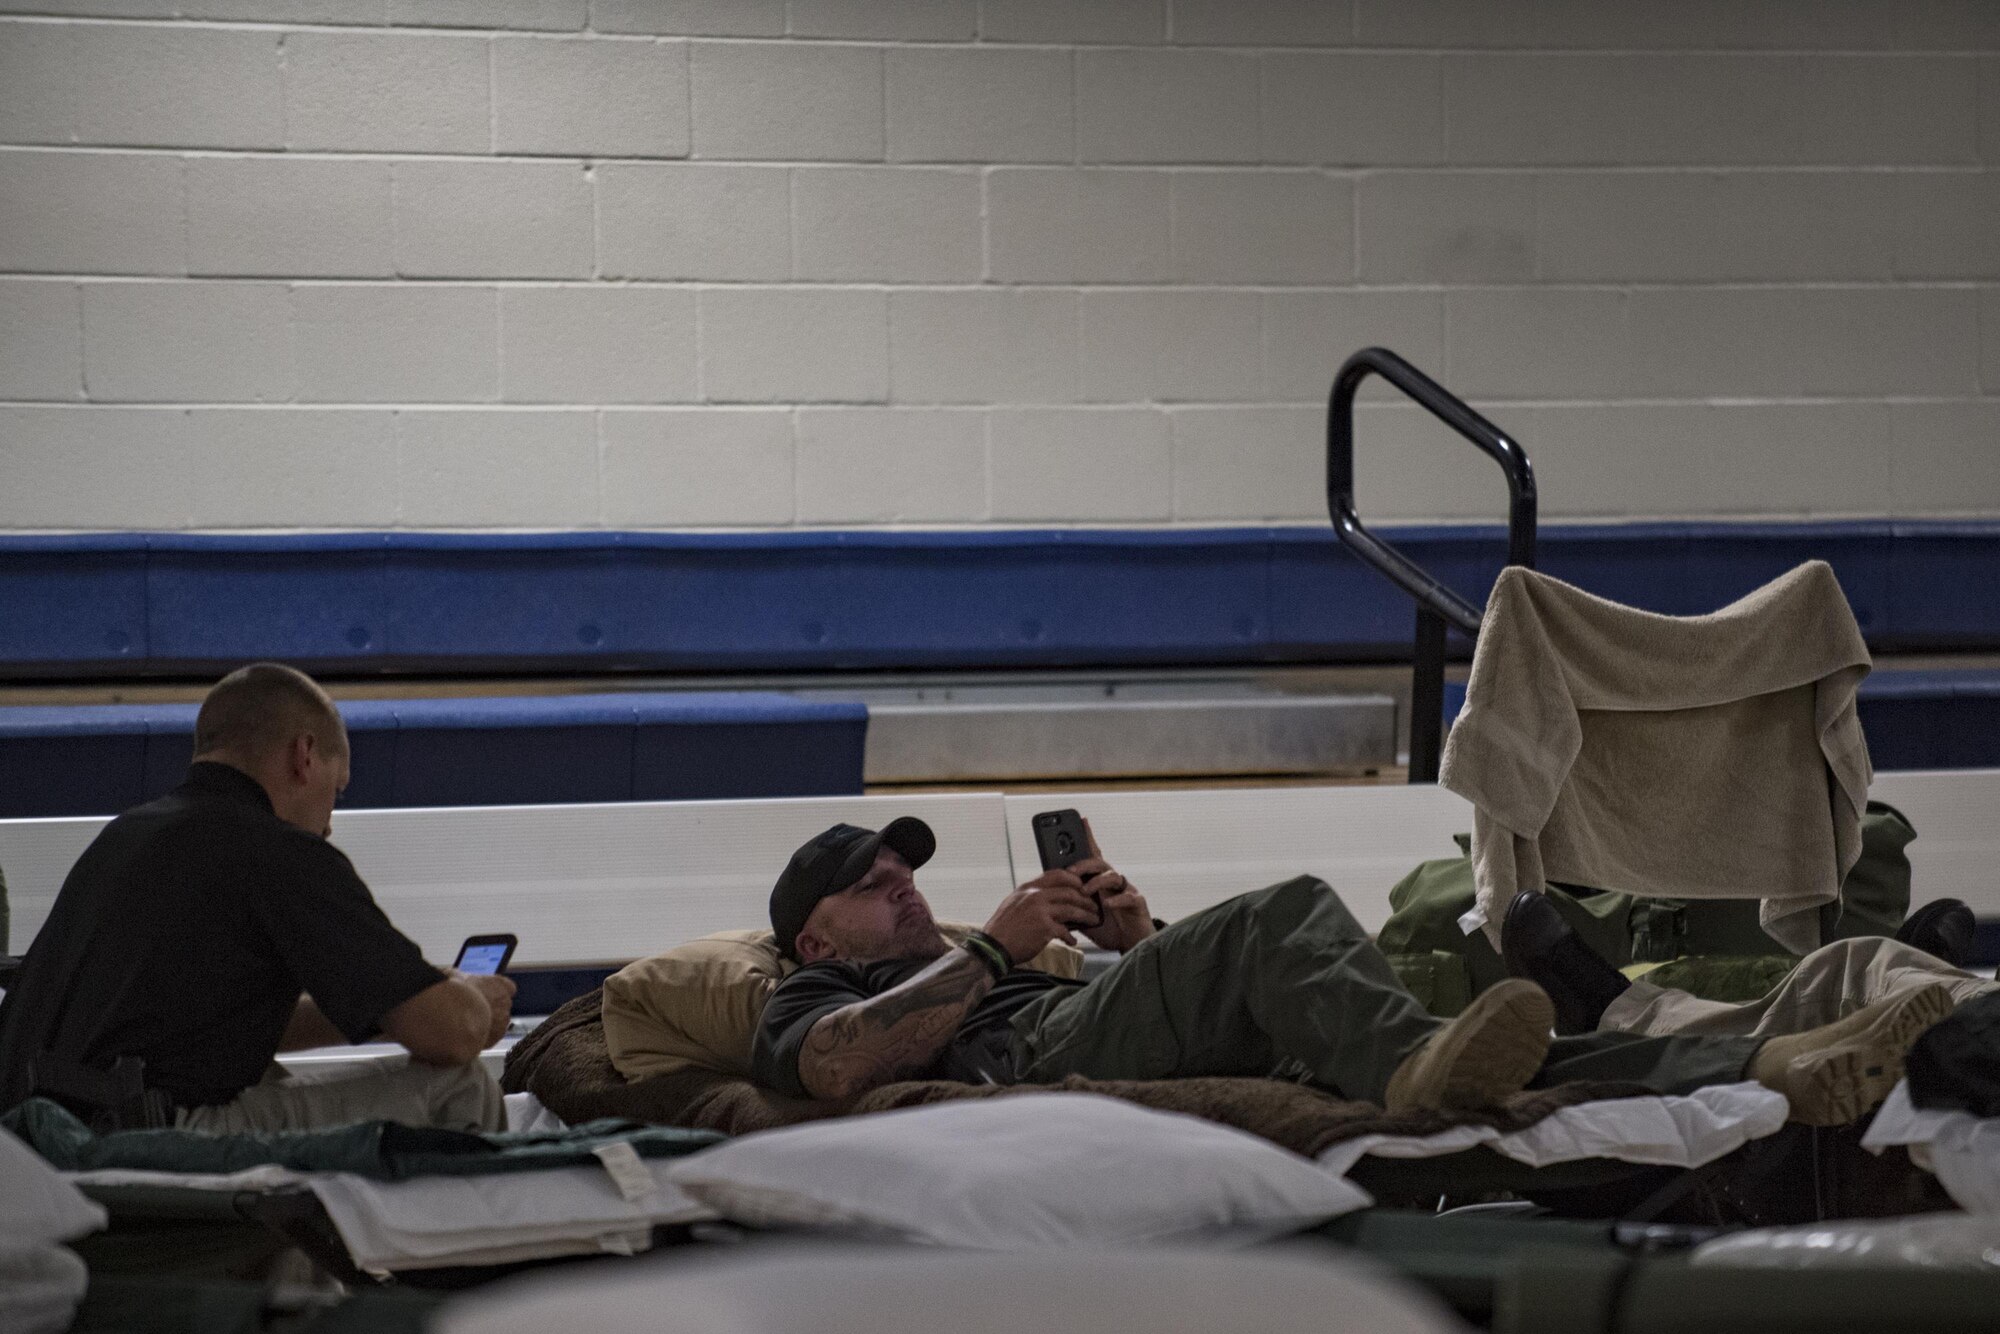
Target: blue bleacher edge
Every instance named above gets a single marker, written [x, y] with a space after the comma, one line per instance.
[509, 751]
[358, 603]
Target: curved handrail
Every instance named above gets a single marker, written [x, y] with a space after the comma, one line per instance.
[1436, 399]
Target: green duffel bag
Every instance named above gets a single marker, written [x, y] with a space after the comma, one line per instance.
[1422, 936]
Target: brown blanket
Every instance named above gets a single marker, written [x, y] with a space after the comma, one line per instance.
[564, 1064]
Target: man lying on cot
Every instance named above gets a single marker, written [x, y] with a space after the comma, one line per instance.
[215, 927]
[1280, 979]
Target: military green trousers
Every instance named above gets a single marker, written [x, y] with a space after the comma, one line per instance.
[1284, 978]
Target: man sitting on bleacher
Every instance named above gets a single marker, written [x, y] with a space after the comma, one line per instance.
[1282, 979]
[207, 931]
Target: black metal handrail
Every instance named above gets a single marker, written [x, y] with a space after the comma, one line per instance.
[1437, 605]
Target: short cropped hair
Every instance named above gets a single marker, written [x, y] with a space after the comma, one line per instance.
[266, 705]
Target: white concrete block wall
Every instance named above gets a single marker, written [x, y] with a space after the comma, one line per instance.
[274, 264]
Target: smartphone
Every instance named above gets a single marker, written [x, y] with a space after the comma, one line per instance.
[485, 954]
[1062, 841]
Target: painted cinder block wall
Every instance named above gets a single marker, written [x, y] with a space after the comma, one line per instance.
[272, 264]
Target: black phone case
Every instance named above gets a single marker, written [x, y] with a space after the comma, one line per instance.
[498, 937]
[1048, 839]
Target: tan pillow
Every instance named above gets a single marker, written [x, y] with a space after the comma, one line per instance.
[699, 1003]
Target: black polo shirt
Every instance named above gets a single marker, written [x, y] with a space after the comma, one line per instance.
[979, 1052]
[184, 935]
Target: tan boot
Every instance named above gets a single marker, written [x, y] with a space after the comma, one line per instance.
[1489, 1052]
[1834, 1073]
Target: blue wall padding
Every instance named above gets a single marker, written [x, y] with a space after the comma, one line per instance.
[74, 600]
[542, 990]
[1938, 719]
[536, 750]
[136, 604]
[1942, 577]
[80, 760]
[1932, 719]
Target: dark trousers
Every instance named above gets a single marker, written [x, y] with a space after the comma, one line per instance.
[1286, 977]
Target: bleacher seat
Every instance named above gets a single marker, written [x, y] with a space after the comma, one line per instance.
[494, 751]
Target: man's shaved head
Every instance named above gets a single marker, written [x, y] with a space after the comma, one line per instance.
[258, 708]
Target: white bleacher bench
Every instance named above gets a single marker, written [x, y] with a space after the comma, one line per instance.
[602, 883]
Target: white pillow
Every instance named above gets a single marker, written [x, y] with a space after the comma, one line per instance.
[832, 1288]
[36, 1205]
[40, 1287]
[1020, 1172]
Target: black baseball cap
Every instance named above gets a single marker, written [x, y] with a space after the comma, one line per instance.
[834, 860]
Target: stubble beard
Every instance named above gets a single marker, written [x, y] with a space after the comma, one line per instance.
[921, 940]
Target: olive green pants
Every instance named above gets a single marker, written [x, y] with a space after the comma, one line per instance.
[1285, 978]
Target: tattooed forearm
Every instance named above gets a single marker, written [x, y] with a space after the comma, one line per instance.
[893, 1035]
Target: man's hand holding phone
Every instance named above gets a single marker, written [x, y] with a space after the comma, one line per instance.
[1047, 908]
[1119, 916]
[498, 993]
[481, 960]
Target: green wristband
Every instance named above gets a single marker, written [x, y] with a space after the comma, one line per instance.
[989, 952]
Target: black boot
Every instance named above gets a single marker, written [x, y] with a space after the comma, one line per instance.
[1536, 943]
[1943, 929]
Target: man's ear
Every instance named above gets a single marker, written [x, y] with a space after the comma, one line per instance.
[299, 755]
[811, 947]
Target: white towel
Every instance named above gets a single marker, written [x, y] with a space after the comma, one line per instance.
[1715, 756]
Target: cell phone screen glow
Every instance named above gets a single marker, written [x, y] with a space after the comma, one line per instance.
[481, 958]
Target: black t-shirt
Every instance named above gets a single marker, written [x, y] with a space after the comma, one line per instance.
[184, 935]
[978, 1053]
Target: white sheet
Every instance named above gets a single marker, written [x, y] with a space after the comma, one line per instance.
[391, 1225]
[268, 1177]
[1679, 1131]
[433, 1221]
[525, 1112]
[1961, 1149]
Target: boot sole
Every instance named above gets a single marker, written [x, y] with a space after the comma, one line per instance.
[1485, 1056]
[1838, 1085]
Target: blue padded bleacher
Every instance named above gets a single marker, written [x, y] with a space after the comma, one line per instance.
[349, 603]
[1936, 719]
[1939, 719]
[523, 750]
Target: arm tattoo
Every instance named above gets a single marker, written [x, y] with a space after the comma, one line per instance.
[893, 1035]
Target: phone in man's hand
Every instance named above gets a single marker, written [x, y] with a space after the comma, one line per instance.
[1062, 841]
[485, 954]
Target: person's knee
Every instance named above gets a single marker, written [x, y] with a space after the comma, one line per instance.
[480, 1104]
[1269, 916]
[1285, 907]
[1854, 953]
[460, 1097]
[1300, 895]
